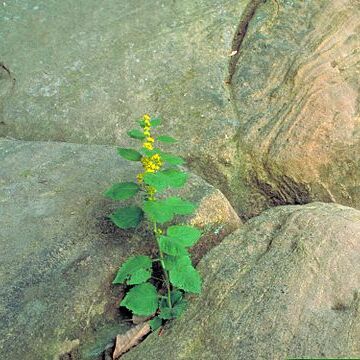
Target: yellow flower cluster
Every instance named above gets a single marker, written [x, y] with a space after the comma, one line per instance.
[151, 164]
[148, 144]
[140, 178]
[151, 191]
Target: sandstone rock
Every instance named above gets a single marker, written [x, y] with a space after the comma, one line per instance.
[84, 70]
[285, 130]
[59, 253]
[285, 285]
[296, 90]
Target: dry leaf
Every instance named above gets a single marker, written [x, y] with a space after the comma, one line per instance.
[131, 338]
[234, 52]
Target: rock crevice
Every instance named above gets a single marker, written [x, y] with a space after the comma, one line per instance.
[240, 34]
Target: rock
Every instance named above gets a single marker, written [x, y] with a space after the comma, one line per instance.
[285, 285]
[281, 128]
[84, 70]
[296, 90]
[59, 251]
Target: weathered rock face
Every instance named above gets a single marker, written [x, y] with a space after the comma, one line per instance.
[296, 92]
[285, 130]
[58, 251]
[285, 285]
[85, 70]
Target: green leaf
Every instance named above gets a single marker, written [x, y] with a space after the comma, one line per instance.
[158, 211]
[180, 206]
[148, 153]
[166, 313]
[129, 154]
[176, 178]
[158, 180]
[172, 159]
[155, 323]
[171, 246]
[166, 139]
[185, 277]
[174, 261]
[177, 308]
[174, 312]
[122, 191]
[142, 299]
[166, 178]
[176, 296]
[154, 122]
[136, 134]
[127, 217]
[187, 235]
[135, 270]
[164, 210]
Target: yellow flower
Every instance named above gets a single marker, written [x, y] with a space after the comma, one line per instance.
[156, 158]
[148, 146]
[151, 192]
[150, 139]
[140, 178]
[146, 117]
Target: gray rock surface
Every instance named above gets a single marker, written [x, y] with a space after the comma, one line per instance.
[285, 285]
[59, 253]
[284, 130]
[84, 69]
[277, 122]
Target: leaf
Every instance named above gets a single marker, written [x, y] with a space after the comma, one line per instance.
[180, 206]
[171, 246]
[164, 210]
[185, 277]
[173, 261]
[155, 323]
[178, 306]
[129, 154]
[135, 270]
[174, 312]
[154, 122]
[158, 211]
[175, 178]
[188, 235]
[172, 159]
[136, 134]
[131, 338]
[165, 313]
[158, 180]
[176, 296]
[166, 139]
[122, 191]
[141, 299]
[148, 153]
[166, 178]
[127, 217]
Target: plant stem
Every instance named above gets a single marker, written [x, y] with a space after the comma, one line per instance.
[163, 266]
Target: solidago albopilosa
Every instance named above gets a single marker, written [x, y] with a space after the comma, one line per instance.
[159, 172]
